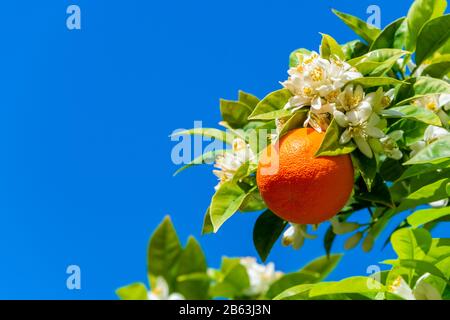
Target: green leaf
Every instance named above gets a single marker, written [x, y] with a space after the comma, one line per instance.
[411, 244]
[350, 285]
[413, 131]
[295, 121]
[400, 35]
[330, 48]
[235, 113]
[421, 267]
[354, 49]
[379, 193]
[391, 169]
[422, 217]
[272, 105]
[421, 12]
[134, 291]
[378, 62]
[225, 202]
[248, 99]
[439, 149]
[418, 113]
[387, 37]
[267, 230]
[313, 272]
[207, 224]
[328, 240]
[423, 86]
[330, 145]
[369, 82]
[206, 158]
[208, 132]
[293, 59]
[234, 282]
[164, 250]
[434, 34]
[288, 281]
[366, 166]
[253, 202]
[322, 266]
[429, 193]
[360, 27]
[437, 70]
[192, 261]
[424, 168]
[300, 292]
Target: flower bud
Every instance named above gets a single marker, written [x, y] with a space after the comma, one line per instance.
[368, 243]
[353, 241]
[340, 228]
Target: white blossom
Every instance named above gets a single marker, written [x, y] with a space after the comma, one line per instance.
[354, 111]
[439, 203]
[421, 291]
[316, 82]
[260, 276]
[161, 291]
[295, 235]
[389, 144]
[230, 161]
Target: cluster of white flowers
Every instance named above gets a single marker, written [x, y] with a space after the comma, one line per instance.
[295, 235]
[161, 291]
[260, 276]
[322, 85]
[316, 82]
[230, 161]
[423, 290]
[358, 113]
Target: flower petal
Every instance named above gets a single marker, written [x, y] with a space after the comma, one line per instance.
[341, 119]
[345, 137]
[363, 145]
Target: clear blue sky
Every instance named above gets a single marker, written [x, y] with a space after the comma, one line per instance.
[85, 168]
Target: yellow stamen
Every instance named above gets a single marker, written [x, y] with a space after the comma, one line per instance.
[317, 74]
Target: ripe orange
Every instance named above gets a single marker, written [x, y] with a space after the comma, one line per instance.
[304, 189]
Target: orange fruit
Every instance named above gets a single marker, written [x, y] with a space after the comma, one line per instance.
[299, 187]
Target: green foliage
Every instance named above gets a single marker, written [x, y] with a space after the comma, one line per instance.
[388, 37]
[419, 14]
[413, 112]
[271, 107]
[330, 48]
[134, 291]
[267, 230]
[376, 63]
[313, 272]
[361, 28]
[405, 73]
[435, 151]
[419, 257]
[433, 35]
[187, 273]
[163, 251]
[331, 146]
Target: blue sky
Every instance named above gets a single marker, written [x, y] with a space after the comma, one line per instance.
[85, 167]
